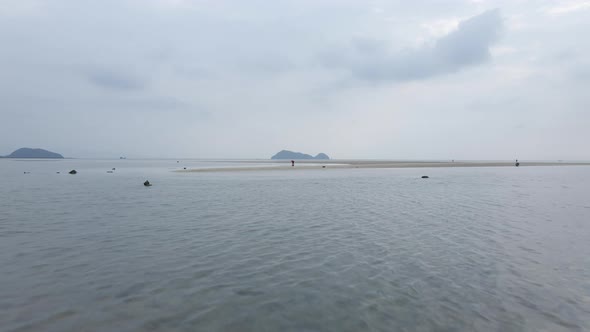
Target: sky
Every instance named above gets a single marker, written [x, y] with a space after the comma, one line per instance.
[454, 79]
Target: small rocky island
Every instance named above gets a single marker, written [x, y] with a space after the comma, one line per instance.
[34, 153]
[285, 154]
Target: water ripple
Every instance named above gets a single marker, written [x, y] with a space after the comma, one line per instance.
[347, 250]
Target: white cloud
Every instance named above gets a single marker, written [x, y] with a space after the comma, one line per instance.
[497, 51]
[568, 7]
[439, 28]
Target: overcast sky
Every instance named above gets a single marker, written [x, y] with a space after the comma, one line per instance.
[429, 79]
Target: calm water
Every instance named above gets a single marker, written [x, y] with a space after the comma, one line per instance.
[487, 249]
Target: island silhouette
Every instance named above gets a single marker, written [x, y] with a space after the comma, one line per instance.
[286, 154]
[34, 153]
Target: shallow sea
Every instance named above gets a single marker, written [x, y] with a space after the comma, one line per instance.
[469, 249]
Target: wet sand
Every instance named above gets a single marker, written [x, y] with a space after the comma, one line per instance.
[349, 164]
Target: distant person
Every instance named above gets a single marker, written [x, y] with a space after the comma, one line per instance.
[292, 163]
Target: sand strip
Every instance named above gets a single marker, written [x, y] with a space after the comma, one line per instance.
[376, 164]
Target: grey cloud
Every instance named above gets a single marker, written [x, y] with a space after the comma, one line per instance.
[581, 75]
[30, 106]
[113, 80]
[469, 45]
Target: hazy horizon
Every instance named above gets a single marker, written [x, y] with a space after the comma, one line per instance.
[186, 158]
[426, 80]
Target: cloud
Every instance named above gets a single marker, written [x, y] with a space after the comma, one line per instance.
[224, 78]
[113, 80]
[468, 45]
[20, 8]
[569, 7]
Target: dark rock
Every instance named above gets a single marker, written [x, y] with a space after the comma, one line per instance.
[73, 172]
[425, 176]
[147, 183]
[34, 153]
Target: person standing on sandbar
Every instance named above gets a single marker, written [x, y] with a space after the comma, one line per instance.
[292, 163]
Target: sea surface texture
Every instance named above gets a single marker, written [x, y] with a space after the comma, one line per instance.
[469, 249]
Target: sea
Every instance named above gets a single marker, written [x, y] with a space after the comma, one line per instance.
[468, 249]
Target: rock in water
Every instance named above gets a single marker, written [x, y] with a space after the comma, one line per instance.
[73, 172]
[147, 183]
[425, 176]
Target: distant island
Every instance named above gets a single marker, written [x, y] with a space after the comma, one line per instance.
[285, 154]
[34, 153]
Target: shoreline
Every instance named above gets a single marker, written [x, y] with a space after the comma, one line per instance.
[343, 164]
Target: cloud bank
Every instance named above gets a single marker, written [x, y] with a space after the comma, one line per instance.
[467, 46]
[428, 79]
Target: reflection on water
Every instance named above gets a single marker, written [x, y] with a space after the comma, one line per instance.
[502, 249]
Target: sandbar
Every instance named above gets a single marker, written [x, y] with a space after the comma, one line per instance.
[351, 164]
